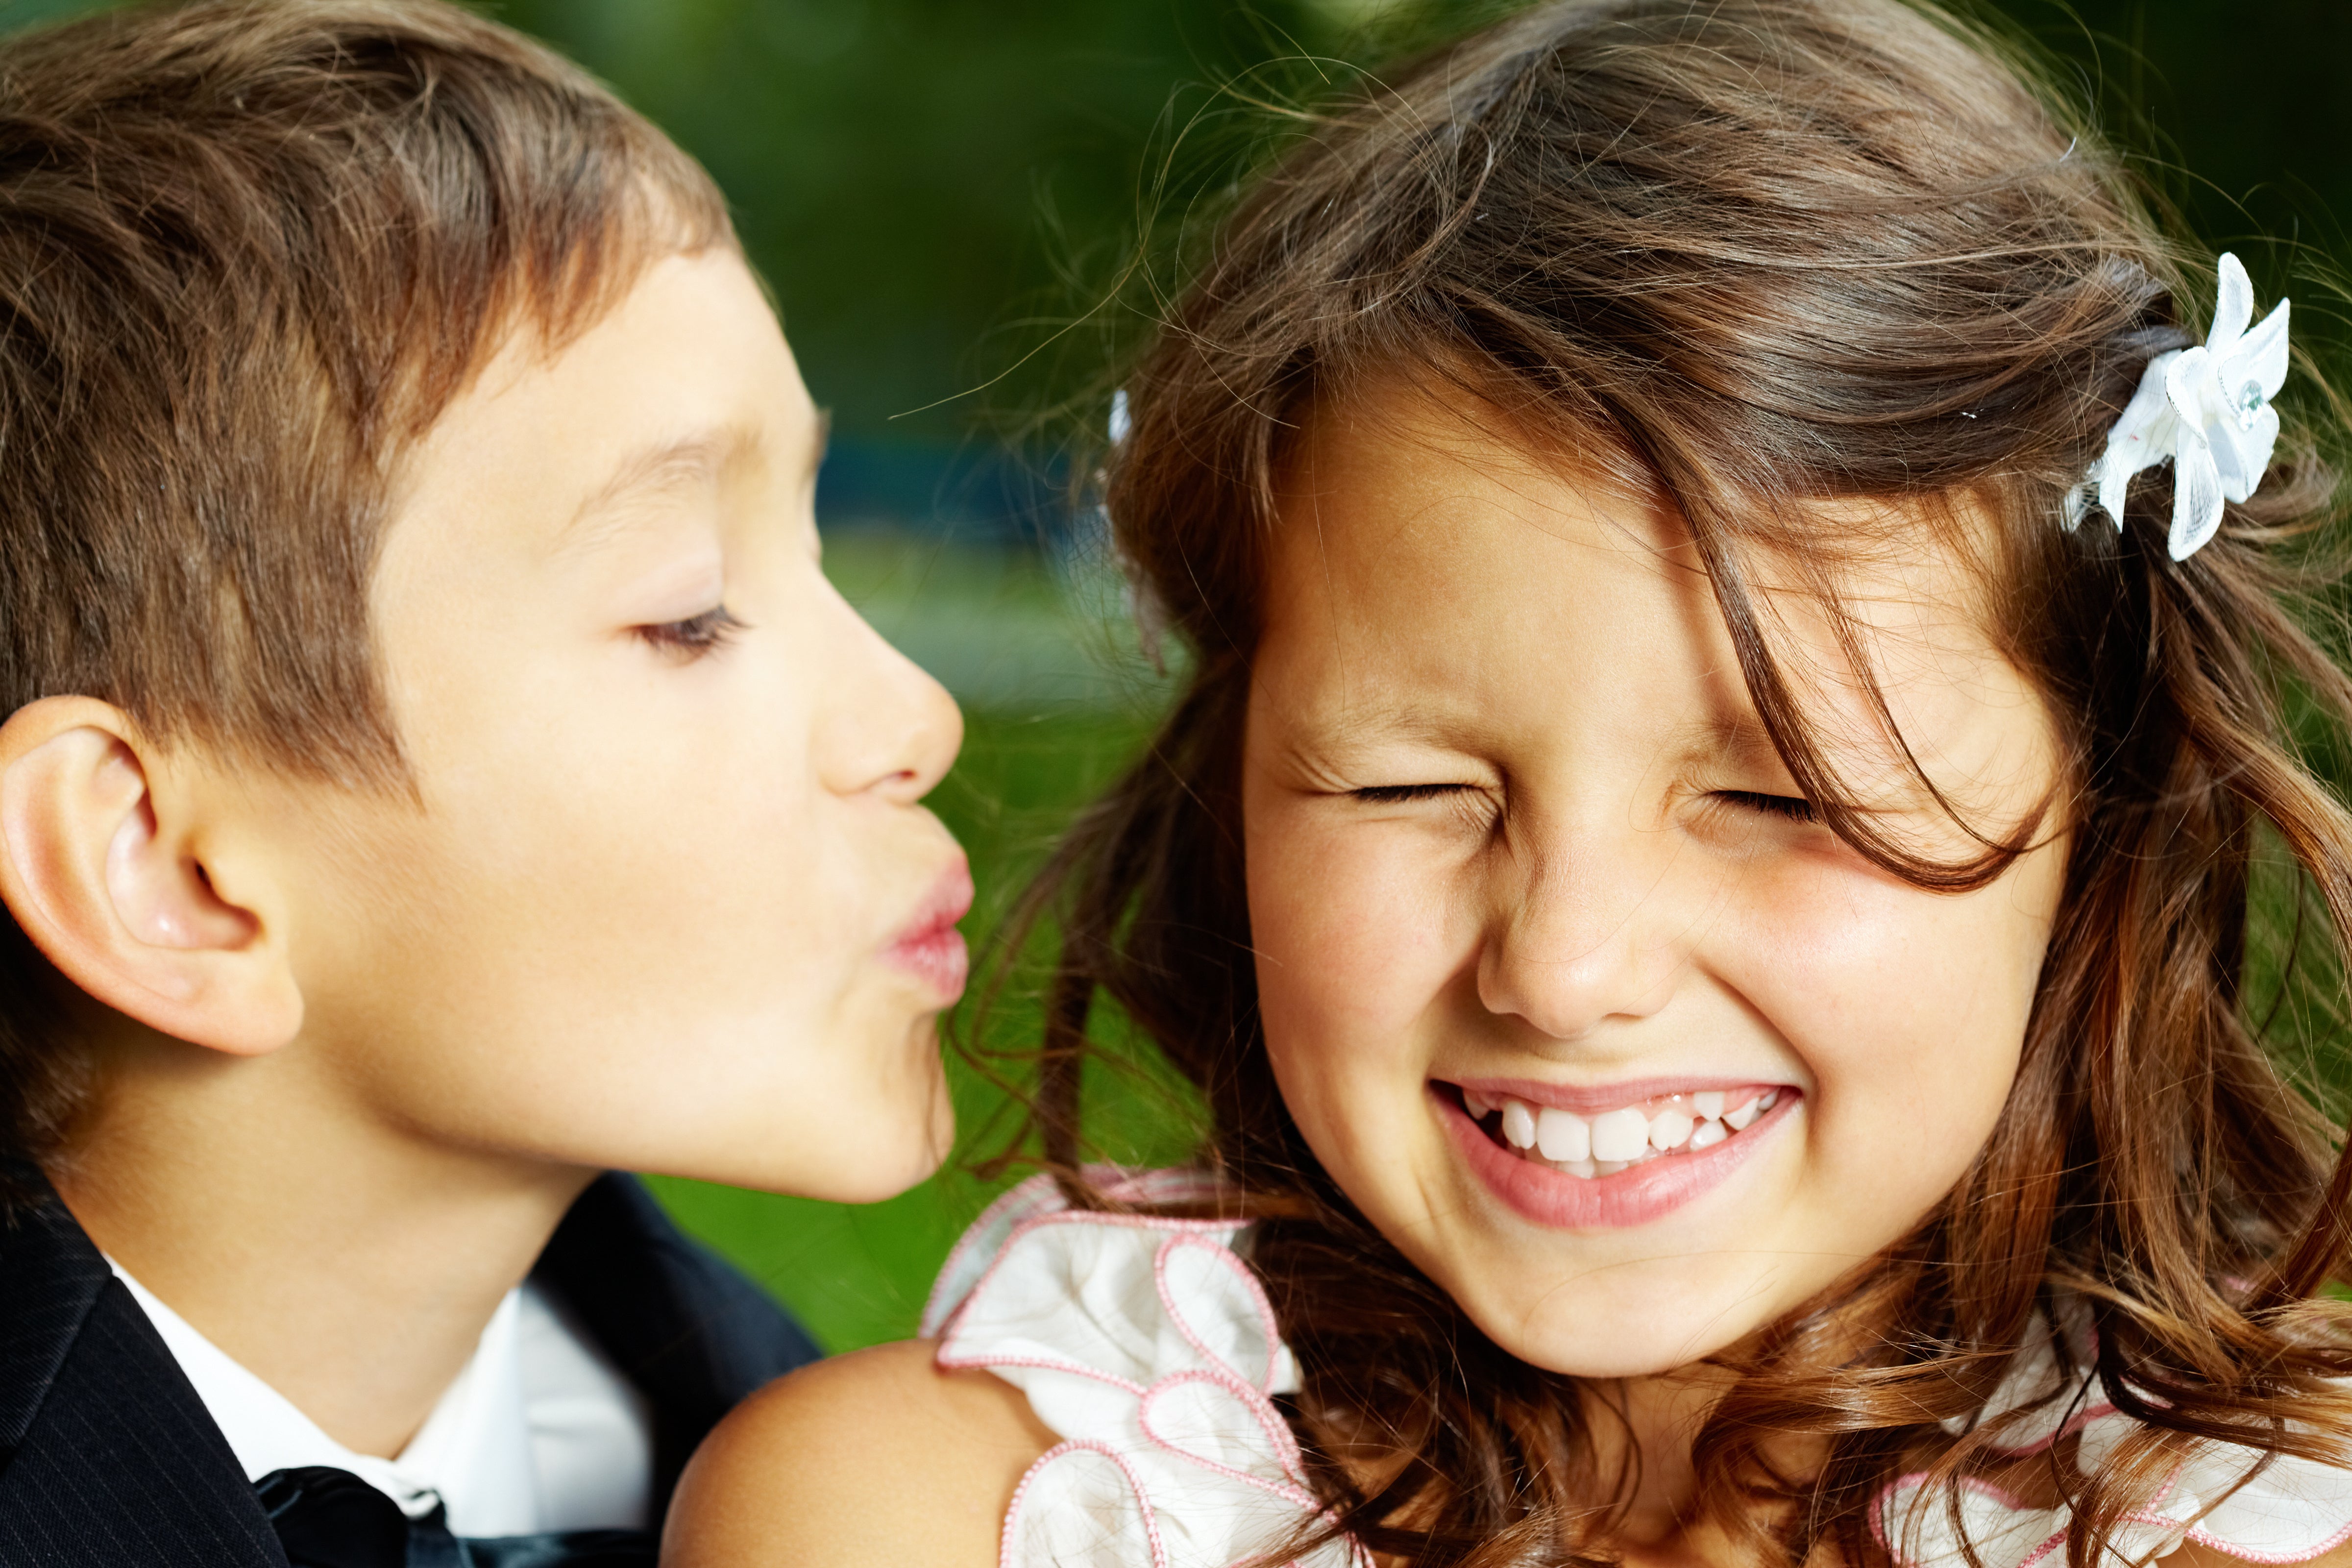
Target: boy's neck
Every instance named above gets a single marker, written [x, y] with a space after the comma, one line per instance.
[349, 1264]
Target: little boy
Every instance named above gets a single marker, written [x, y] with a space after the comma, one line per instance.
[435, 772]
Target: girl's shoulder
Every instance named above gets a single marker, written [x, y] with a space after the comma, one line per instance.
[2219, 1510]
[877, 1455]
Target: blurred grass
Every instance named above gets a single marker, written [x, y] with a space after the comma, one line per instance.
[857, 1275]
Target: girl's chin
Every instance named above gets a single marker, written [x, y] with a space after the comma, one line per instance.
[1651, 1317]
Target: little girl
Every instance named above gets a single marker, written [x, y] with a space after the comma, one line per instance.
[1726, 868]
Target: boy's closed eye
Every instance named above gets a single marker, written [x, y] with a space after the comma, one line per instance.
[695, 636]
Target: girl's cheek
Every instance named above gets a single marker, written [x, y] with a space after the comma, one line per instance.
[1353, 933]
[1351, 951]
[1908, 1008]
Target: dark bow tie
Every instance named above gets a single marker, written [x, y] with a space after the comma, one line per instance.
[331, 1518]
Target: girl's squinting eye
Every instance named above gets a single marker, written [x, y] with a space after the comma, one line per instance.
[1398, 794]
[1794, 808]
[694, 636]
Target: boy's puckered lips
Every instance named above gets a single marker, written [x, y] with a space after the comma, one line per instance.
[928, 946]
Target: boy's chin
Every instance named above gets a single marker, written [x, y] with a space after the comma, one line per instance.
[878, 1174]
[862, 1154]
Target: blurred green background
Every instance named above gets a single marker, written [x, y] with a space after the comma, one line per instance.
[944, 195]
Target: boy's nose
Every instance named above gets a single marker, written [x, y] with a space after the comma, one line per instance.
[1588, 933]
[887, 727]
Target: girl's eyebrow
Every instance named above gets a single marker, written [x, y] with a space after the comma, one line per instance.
[1739, 738]
[1377, 722]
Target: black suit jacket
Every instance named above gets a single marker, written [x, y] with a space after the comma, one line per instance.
[108, 1459]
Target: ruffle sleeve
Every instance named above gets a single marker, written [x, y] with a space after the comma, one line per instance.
[1147, 1346]
[2223, 1497]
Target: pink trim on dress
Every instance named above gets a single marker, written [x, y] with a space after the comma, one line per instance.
[2183, 1531]
[1156, 1462]
[1269, 1419]
[1009, 1538]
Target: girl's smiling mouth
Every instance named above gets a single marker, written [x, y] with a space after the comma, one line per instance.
[1612, 1159]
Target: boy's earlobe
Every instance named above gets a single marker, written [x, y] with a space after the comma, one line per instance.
[99, 865]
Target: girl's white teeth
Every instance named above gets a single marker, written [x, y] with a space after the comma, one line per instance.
[1605, 1145]
[1620, 1134]
[1563, 1134]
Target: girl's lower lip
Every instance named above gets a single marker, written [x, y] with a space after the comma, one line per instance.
[1647, 1191]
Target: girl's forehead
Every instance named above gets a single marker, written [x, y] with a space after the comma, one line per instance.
[1423, 493]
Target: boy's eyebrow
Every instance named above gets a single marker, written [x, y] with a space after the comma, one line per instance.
[664, 466]
[696, 458]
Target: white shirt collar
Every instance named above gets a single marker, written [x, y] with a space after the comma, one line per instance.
[538, 1432]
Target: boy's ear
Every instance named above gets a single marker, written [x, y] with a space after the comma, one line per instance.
[102, 865]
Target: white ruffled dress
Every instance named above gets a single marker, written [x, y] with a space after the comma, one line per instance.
[1147, 1346]
[2288, 1510]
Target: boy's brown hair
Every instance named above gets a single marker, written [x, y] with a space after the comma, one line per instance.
[249, 250]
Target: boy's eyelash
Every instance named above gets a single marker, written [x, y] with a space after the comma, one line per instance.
[696, 635]
[1793, 808]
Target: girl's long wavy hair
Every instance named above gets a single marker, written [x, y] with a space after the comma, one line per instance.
[1770, 252]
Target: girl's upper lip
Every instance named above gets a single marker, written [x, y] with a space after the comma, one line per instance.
[949, 902]
[1589, 1100]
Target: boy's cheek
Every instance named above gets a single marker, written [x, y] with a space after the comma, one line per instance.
[529, 983]
[562, 1071]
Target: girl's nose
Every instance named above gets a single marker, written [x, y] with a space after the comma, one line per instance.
[888, 727]
[1588, 933]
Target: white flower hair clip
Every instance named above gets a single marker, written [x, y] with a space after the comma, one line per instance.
[2208, 409]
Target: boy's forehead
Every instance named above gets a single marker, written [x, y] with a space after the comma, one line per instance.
[686, 379]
